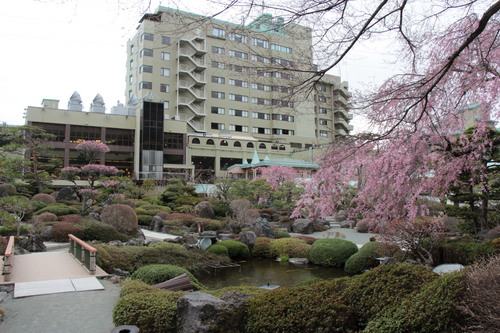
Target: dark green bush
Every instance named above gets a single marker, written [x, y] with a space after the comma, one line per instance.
[99, 231]
[371, 293]
[136, 286]
[464, 251]
[37, 205]
[332, 251]
[122, 217]
[209, 224]
[151, 312]
[59, 209]
[293, 247]
[8, 188]
[144, 220]
[153, 274]
[221, 209]
[218, 250]
[61, 230]
[432, 310]
[364, 259]
[235, 250]
[281, 234]
[261, 247]
[10, 229]
[152, 210]
[247, 290]
[308, 309]
[308, 282]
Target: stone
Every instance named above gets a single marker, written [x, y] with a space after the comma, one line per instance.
[32, 243]
[248, 238]
[266, 216]
[67, 194]
[348, 224]
[303, 226]
[203, 313]
[447, 268]
[298, 261]
[95, 216]
[45, 232]
[204, 210]
[209, 233]
[138, 240]
[3, 192]
[320, 225]
[262, 228]
[190, 238]
[341, 215]
[121, 273]
[157, 223]
[223, 237]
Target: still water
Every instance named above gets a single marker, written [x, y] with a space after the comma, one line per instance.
[258, 272]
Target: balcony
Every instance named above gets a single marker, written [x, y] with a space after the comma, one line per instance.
[339, 121]
[343, 113]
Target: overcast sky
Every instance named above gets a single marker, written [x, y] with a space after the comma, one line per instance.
[50, 48]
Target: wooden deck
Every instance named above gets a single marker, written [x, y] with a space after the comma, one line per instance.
[47, 266]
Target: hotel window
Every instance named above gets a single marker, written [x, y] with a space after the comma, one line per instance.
[218, 79]
[146, 69]
[261, 101]
[210, 142]
[217, 126]
[283, 62]
[239, 128]
[238, 54]
[262, 146]
[165, 56]
[283, 117]
[147, 36]
[217, 110]
[261, 59]
[218, 32]
[282, 103]
[262, 73]
[146, 85]
[216, 64]
[238, 113]
[165, 40]
[130, 79]
[218, 94]
[281, 75]
[172, 141]
[261, 115]
[238, 98]
[323, 110]
[260, 43]
[238, 38]
[166, 106]
[323, 133]
[218, 50]
[165, 72]
[279, 131]
[165, 88]
[196, 141]
[237, 144]
[238, 83]
[146, 53]
[322, 99]
[323, 122]
[321, 87]
[281, 48]
[283, 89]
[224, 143]
[249, 145]
[259, 86]
[261, 130]
[237, 68]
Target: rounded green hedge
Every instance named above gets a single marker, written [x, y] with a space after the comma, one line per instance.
[261, 247]
[59, 209]
[332, 251]
[154, 312]
[218, 250]
[235, 249]
[96, 230]
[293, 247]
[364, 259]
[153, 274]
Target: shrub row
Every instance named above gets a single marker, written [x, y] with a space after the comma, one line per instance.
[153, 274]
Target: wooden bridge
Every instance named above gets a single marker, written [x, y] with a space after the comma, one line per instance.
[58, 270]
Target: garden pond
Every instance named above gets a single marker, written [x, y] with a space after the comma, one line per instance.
[260, 272]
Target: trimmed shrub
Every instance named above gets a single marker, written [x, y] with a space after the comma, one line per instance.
[463, 251]
[59, 209]
[281, 234]
[308, 309]
[163, 215]
[293, 247]
[432, 310]
[9, 188]
[136, 286]
[72, 218]
[261, 247]
[45, 217]
[154, 312]
[153, 274]
[218, 250]
[214, 225]
[364, 259]
[122, 217]
[144, 220]
[45, 198]
[181, 219]
[10, 229]
[363, 226]
[371, 293]
[235, 249]
[99, 231]
[221, 209]
[60, 231]
[332, 251]
[152, 210]
[309, 282]
[247, 290]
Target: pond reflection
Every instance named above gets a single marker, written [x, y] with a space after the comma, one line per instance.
[258, 272]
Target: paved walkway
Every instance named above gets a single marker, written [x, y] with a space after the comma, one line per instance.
[76, 312]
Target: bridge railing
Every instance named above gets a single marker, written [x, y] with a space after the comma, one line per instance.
[8, 259]
[83, 252]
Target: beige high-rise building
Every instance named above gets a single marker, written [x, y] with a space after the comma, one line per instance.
[204, 94]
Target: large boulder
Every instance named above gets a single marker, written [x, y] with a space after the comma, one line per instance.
[32, 243]
[341, 216]
[203, 313]
[348, 224]
[262, 228]
[320, 224]
[67, 194]
[157, 223]
[204, 210]
[303, 226]
[248, 238]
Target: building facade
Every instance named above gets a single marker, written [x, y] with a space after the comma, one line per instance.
[204, 94]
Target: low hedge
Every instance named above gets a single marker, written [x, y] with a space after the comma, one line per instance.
[219, 250]
[462, 251]
[152, 210]
[261, 247]
[59, 209]
[364, 259]
[153, 274]
[293, 247]
[99, 231]
[60, 231]
[332, 251]
[136, 286]
[236, 250]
